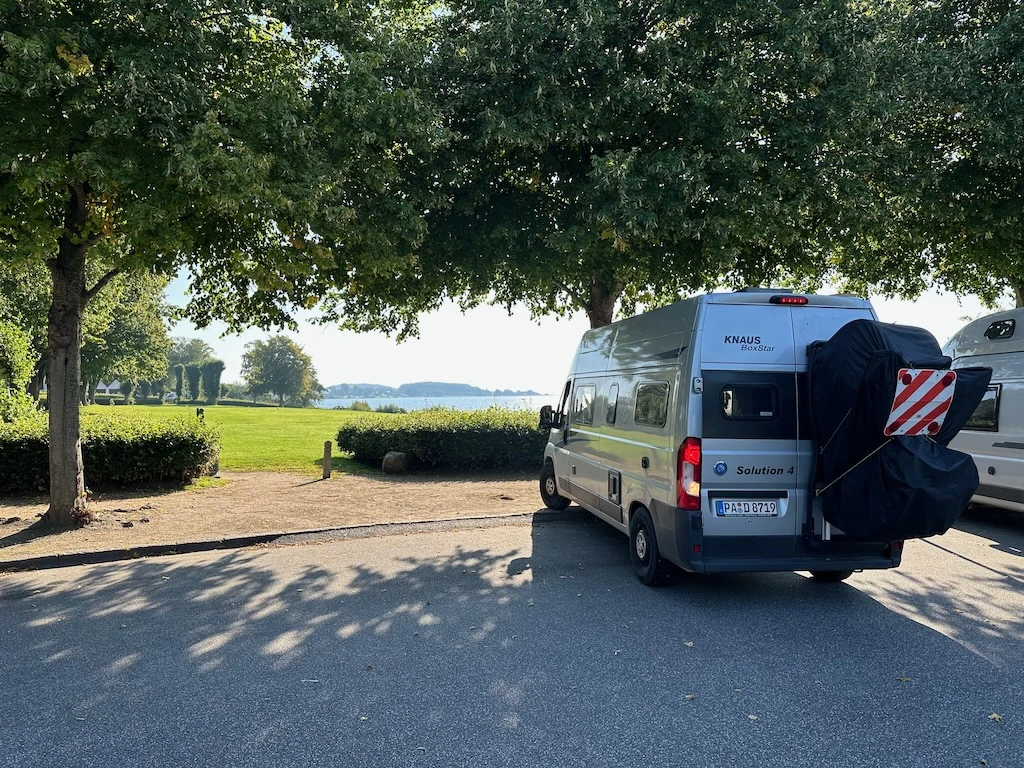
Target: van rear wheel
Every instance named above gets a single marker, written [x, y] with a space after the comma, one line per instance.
[549, 488]
[831, 576]
[648, 564]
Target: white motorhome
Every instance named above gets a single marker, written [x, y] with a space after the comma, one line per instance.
[995, 434]
[687, 428]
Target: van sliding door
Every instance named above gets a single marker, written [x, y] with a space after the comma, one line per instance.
[587, 477]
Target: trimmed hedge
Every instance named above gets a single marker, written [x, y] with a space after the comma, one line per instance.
[496, 438]
[118, 450]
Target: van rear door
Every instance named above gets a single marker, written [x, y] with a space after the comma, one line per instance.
[749, 431]
[810, 324]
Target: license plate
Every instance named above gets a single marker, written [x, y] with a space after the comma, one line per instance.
[747, 507]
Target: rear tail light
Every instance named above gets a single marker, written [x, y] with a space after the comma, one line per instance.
[688, 482]
[798, 300]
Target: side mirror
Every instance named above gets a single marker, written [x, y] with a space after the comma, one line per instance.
[545, 419]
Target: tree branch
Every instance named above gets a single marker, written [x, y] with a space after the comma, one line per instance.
[580, 301]
[101, 284]
[217, 15]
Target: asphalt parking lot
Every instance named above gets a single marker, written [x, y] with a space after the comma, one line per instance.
[515, 645]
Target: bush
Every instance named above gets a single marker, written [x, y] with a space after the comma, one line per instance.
[118, 450]
[495, 438]
[360, 405]
[390, 408]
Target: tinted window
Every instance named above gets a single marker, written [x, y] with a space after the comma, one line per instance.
[986, 415]
[613, 403]
[759, 402]
[583, 405]
[652, 404]
[1001, 329]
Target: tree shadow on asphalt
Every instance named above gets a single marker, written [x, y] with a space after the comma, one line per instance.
[356, 643]
[1002, 527]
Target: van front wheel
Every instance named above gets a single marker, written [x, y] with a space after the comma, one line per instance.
[648, 565]
[549, 489]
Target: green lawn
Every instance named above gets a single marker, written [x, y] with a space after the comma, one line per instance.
[272, 439]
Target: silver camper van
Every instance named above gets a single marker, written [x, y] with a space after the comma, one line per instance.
[995, 434]
[687, 429]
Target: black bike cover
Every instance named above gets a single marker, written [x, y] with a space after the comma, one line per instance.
[879, 488]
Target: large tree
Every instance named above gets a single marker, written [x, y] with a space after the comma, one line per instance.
[972, 211]
[25, 292]
[131, 344]
[937, 155]
[184, 350]
[279, 367]
[232, 139]
[608, 152]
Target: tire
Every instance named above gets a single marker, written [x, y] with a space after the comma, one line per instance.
[549, 488]
[648, 564]
[831, 577]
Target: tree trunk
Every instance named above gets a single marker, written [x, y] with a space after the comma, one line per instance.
[1018, 293]
[600, 306]
[64, 339]
[35, 386]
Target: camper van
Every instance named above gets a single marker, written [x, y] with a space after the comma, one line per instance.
[687, 428]
[995, 434]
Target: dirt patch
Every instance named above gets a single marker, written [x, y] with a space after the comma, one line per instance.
[261, 502]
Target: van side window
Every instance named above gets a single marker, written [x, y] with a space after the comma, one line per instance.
[986, 416]
[613, 403]
[652, 404]
[750, 402]
[583, 405]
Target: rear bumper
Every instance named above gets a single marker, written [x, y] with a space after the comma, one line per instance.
[681, 539]
[754, 563]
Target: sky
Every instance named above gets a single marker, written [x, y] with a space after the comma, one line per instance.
[487, 348]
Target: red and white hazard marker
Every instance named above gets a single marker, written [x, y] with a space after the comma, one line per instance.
[921, 402]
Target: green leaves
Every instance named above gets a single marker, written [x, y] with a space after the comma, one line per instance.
[17, 363]
[642, 150]
[238, 141]
[117, 449]
[494, 438]
[278, 366]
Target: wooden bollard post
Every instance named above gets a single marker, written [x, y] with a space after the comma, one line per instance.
[327, 460]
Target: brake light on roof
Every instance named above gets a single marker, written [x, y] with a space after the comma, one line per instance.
[688, 474]
[797, 300]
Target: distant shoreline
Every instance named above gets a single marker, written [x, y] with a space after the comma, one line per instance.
[421, 397]
[458, 402]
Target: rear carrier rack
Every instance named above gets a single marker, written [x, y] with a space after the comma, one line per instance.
[884, 405]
